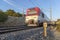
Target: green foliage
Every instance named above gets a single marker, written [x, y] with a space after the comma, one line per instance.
[3, 16]
[13, 13]
[58, 26]
[19, 15]
[10, 12]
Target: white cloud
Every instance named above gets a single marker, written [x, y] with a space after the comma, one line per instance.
[10, 3]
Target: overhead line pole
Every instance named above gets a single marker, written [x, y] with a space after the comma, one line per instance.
[50, 14]
[50, 11]
[23, 12]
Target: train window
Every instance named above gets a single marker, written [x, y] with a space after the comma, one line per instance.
[42, 15]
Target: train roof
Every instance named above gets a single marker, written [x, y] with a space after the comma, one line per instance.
[34, 8]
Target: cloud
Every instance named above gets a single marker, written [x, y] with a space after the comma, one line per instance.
[10, 3]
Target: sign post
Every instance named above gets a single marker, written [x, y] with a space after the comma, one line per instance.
[45, 29]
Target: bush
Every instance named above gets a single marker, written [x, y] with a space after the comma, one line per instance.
[3, 17]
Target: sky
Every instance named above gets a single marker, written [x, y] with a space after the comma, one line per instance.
[44, 5]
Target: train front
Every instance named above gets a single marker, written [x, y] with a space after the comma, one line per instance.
[31, 18]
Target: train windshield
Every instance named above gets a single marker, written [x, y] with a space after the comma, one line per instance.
[32, 12]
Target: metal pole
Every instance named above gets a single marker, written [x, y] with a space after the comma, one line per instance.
[23, 12]
[50, 11]
[50, 14]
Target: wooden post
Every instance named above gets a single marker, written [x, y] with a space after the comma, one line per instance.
[45, 27]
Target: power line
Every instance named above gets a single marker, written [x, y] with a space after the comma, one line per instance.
[47, 10]
[23, 11]
[32, 2]
[37, 3]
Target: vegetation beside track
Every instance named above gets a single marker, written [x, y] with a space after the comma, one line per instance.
[58, 25]
[3, 16]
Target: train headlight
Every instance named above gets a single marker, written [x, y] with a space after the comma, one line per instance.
[34, 17]
[27, 18]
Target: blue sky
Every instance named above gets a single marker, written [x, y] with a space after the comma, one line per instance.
[44, 5]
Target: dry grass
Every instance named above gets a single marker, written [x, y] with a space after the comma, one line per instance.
[58, 27]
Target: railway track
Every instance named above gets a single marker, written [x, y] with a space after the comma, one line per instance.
[12, 29]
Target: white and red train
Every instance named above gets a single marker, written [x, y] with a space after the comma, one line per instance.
[35, 17]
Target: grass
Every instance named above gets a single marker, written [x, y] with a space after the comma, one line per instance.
[58, 27]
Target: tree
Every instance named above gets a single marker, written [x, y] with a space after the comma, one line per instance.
[13, 13]
[3, 16]
[10, 12]
[19, 14]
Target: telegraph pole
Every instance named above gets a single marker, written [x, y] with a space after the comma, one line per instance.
[23, 12]
[50, 14]
[50, 11]
[51, 21]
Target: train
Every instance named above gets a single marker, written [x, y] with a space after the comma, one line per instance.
[35, 17]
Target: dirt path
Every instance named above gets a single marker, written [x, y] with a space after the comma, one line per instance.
[57, 35]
